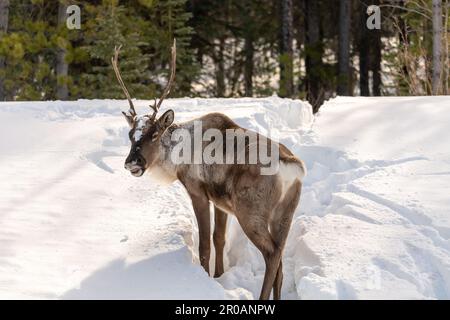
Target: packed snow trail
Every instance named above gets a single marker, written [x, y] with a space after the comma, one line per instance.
[373, 220]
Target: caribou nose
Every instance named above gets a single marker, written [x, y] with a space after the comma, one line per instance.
[140, 161]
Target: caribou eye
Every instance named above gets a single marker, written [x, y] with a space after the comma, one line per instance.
[154, 136]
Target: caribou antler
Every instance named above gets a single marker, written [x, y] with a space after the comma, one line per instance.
[166, 91]
[114, 61]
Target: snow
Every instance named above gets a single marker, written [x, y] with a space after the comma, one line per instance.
[373, 222]
[140, 127]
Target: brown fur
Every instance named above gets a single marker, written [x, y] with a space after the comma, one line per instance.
[262, 208]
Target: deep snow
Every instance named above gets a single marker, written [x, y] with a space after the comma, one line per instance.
[373, 220]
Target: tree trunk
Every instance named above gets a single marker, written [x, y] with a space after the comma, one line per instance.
[300, 36]
[376, 64]
[286, 53]
[220, 71]
[437, 46]
[363, 44]
[446, 53]
[375, 45]
[403, 38]
[62, 67]
[314, 53]
[343, 88]
[248, 66]
[4, 15]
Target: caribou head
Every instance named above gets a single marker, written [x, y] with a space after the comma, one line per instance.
[146, 130]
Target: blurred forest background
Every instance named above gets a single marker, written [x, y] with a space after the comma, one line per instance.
[307, 49]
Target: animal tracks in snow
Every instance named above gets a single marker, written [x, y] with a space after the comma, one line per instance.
[364, 192]
[365, 228]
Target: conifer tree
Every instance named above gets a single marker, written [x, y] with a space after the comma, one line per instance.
[172, 17]
[28, 51]
[108, 26]
[4, 17]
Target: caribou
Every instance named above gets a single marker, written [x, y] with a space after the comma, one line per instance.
[263, 204]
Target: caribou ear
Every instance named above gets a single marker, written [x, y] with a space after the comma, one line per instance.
[166, 119]
[129, 119]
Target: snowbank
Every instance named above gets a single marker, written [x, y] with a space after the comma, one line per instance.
[376, 203]
[373, 220]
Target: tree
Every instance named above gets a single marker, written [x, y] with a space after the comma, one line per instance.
[248, 65]
[376, 57]
[376, 63]
[412, 60]
[246, 26]
[210, 32]
[437, 46]
[403, 39]
[344, 48]
[363, 48]
[242, 41]
[62, 67]
[4, 15]
[249, 52]
[254, 28]
[244, 48]
[314, 54]
[108, 25]
[173, 18]
[286, 51]
[220, 68]
[28, 49]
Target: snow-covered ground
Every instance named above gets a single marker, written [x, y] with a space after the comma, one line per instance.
[374, 218]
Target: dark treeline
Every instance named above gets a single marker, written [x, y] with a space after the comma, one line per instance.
[305, 49]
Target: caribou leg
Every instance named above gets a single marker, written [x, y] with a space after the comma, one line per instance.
[200, 204]
[220, 227]
[279, 228]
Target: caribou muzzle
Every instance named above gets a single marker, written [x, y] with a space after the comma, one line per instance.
[135, 164]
